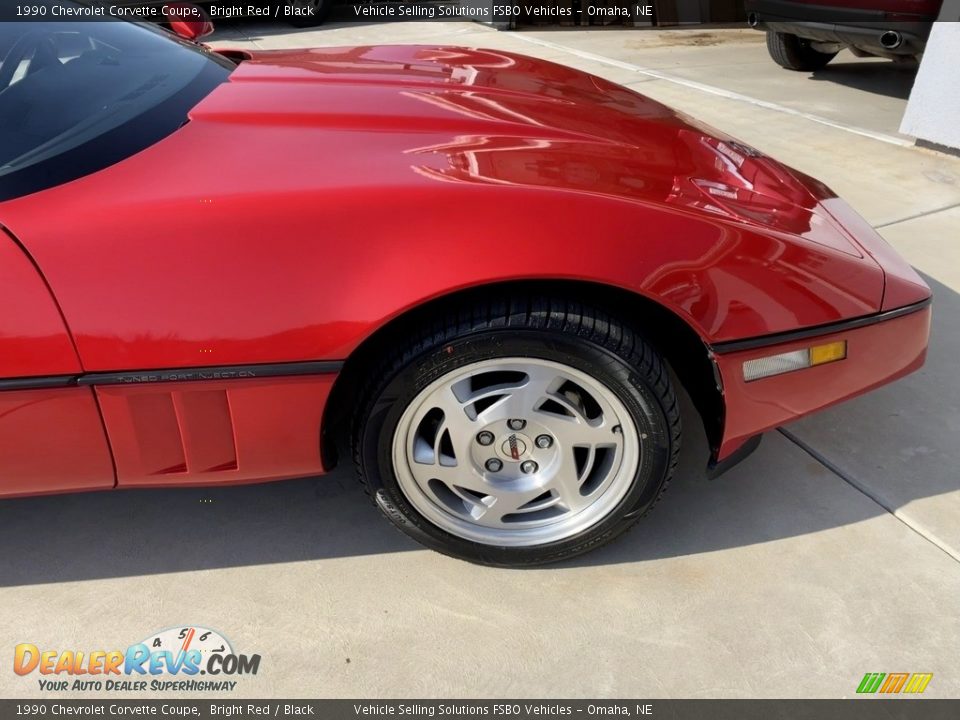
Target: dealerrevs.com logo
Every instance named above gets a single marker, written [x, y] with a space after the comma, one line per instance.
[172, 660]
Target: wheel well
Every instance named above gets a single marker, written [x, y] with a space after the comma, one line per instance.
[674, 339]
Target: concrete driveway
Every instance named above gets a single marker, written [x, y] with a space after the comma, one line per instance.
[832, 552]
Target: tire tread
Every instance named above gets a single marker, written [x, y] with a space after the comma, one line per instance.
[794, 53]
[541, 313]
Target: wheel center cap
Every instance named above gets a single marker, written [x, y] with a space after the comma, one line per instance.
[515, 446]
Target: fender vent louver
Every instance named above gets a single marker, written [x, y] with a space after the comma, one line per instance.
[188, 431]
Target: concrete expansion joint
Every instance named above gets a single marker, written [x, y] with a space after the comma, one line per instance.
[934, 211]
[918, 528]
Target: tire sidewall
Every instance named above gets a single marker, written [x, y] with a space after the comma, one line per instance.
[616, 373]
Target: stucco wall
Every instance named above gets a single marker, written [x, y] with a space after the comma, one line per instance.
[933, 112]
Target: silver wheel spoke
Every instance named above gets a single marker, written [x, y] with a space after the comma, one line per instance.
[572, 433]
[516, 504]
[567, 483]
[458, 476]
[515, 451]
[455, 417]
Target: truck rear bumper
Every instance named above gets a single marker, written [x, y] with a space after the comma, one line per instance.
[854, 27]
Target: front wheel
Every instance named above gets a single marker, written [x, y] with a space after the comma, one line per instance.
[795, 53]
[519, 437]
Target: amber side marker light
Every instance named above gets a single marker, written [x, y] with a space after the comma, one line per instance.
[759, 368]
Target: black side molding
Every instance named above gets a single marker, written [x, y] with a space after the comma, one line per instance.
[37, 382]
[221, 372]
[217, 372]
[828, 329]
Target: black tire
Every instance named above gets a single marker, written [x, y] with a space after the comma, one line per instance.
[584, 338]
[321, 11]
[794, 53]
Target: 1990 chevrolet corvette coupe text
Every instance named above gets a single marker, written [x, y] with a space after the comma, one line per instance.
[478, 276]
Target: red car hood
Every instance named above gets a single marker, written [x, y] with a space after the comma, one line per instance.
[426, 114]
[487, 116]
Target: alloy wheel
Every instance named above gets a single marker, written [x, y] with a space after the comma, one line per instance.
[515, 451]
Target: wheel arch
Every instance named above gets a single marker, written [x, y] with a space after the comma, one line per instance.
[685, 351]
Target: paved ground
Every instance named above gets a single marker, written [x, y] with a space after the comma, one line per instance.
[833, 551]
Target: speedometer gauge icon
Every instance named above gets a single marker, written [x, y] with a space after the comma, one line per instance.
[183, 639]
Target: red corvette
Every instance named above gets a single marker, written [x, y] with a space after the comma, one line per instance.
[477, 276]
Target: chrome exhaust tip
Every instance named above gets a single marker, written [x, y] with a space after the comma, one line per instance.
[891, 39]
[753, 20]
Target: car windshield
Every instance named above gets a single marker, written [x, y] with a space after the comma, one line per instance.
[68, 85]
